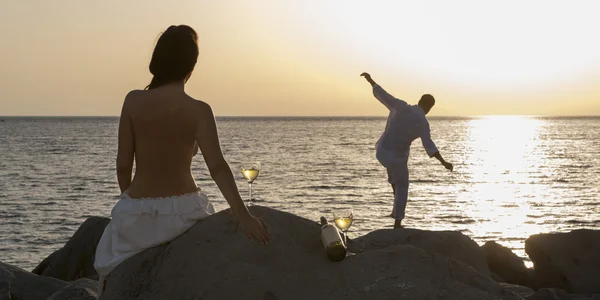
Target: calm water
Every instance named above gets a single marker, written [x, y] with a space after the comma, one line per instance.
[514, 176]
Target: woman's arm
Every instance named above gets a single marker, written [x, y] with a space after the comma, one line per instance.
[126, 148]
[208, 140]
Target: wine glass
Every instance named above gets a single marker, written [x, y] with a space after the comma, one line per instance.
[343, 220]
[250, 171]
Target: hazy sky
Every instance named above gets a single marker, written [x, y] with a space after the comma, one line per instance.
[304, 57]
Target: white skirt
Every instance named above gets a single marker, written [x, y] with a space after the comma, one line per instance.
[139, 224]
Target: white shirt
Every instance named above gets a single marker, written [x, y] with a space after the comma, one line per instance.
[405, 124]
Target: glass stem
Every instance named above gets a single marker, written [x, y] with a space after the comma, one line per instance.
[250, 184]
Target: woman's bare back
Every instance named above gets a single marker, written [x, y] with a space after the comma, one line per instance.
[162, 130]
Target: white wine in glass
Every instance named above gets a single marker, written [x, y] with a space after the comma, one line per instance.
[343, 220]
[343, 223]
[250, 171]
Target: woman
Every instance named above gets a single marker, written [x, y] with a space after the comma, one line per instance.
[162, 128]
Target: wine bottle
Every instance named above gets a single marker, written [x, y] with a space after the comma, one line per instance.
[332, 241]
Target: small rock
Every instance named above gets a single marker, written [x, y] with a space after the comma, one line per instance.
[507, 265]
[559, 294]
[518, 289]
[81, 289]
[76, 259]
[18, 284]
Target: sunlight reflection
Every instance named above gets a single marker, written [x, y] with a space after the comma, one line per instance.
[501, 153]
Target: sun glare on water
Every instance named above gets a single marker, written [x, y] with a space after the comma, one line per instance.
[502, 152]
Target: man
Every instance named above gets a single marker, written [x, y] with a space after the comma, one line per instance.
[405, 123]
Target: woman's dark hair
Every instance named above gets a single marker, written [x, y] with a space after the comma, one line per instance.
[174, 56]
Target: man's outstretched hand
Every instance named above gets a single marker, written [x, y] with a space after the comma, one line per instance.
[367, 76]
[448, 166]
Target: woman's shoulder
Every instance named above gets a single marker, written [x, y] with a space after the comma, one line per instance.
[199, 104]
[134, 94]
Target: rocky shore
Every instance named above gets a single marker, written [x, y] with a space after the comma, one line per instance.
[215, 260]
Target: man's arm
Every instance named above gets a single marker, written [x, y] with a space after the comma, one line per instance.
[446, 164]
[369, 79]
[384, 97]
[432, 150]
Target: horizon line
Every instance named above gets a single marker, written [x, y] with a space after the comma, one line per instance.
[304, 116]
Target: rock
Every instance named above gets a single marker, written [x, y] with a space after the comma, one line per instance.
[81, 289]
[504, 263]
[452, 244]
[214, 261]
[497, 278]
[559, 294]
[581, 297]
[17, 284]
[76, 259]
[547, 294]
[518, 289]
[568, 261]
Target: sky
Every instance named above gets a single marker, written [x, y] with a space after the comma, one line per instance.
[304, 57]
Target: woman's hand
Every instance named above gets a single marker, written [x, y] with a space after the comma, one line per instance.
[255, 229]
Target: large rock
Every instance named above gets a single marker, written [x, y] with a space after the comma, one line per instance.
[214, 260]
[18, 284]
[76, 259]
[452, 244]
[504, 263]
[559, 294]
[569, 261]
[81, 289]
[518, 289]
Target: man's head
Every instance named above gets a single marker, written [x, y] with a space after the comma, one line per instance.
[427, 102]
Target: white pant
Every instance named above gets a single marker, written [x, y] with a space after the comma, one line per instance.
[139, 224]
[398, 176]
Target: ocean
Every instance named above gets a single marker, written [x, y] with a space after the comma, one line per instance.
[513, 176]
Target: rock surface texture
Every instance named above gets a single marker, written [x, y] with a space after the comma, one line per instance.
[76, 259]
[569, 261]
[215, 260]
